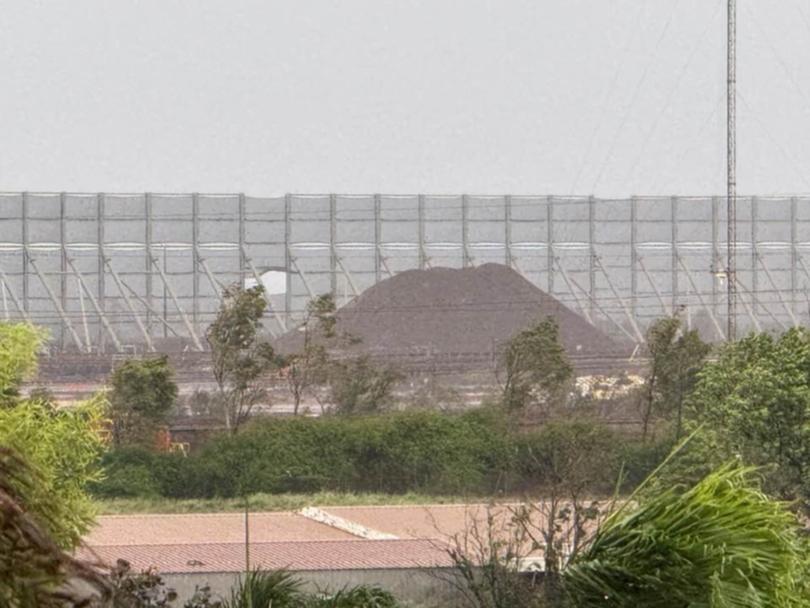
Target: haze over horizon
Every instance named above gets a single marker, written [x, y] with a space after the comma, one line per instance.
[560, 97]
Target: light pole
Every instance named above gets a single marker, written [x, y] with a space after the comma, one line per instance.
[731, 156]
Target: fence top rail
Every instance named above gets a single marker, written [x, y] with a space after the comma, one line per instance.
[304, 195]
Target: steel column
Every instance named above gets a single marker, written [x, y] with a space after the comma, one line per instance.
[592, 262]
[794, 239]
[83, 310]
[420, 219]
[507, 230]
[465, 231]
[673, 209]
[754, 255]
[550, 245]
[147, 277]
[241, 237]
[63, 287]
[377, 239]
[634, 257]
[101, 286]
[716, 259]
[195, 261]
[332, 244]
[288, 294]
[25, 256]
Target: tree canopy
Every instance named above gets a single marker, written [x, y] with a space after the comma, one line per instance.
[62, 448]
[676, 357]
[238, 354]
[20, 344]
[142, 394]
[534, 366]
[754, 403]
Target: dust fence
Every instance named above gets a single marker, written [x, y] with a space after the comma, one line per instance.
[133, 272]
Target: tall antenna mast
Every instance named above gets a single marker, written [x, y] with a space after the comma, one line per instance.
[731, 155]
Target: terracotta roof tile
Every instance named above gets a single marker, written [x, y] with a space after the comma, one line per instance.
[429, 521]
[305, 555]
[203, 528]
[215, 542]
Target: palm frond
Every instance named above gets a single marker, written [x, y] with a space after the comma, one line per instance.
[720, 544]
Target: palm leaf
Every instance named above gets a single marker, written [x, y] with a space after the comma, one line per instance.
[720, 544]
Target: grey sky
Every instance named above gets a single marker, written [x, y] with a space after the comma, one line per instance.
[614, 97]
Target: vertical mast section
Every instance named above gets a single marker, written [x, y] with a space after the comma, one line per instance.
[731, 155]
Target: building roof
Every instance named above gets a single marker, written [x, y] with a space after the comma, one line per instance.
[328, 538]
[295, 555]
[426, 522]
[207, 528]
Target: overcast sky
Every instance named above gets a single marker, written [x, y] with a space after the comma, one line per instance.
[612, 97]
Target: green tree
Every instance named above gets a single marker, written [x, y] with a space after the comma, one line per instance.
[240, 358]
[20, 344]
[33, 568]
[142, 394]
[754, 403]
[357, 386]
[719, 543]
[312, 366]
[676, 357]
[62, 448]
[534, 367]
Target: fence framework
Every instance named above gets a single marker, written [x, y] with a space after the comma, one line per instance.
[139, 272]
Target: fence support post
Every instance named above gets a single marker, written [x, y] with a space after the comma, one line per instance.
[550, 245]
[25, 255]
[507, 230]
[754, 254]
[634, 257]
[673, 203]
[195, 261]
[592, 261]
[288, 295]
[147, 211]
[332, 243]
[377, 238]
[465, 231]
[794, 238]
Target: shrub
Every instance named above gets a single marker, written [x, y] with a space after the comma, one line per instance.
[361, 596]
[263, 588]
[476, 452]
[142, 393]
[62, 447]
[582, 456]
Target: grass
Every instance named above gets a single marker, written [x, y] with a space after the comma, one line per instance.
[268, 502]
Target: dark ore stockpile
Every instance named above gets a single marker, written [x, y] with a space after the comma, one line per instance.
[458, 312]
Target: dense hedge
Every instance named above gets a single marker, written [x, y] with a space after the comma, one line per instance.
[419, 451]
